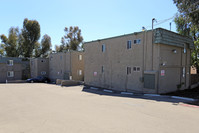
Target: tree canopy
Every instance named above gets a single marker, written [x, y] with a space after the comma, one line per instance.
[11, 44]
[31, 34]
[187, 23]
[71, 40]
[24, 42]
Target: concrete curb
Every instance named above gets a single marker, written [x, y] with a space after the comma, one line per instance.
[126, 93]
[183, 98]
[110, 91]
[93, 88]
[148, 95]
[153, 95]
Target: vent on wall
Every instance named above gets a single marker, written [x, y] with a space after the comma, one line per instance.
[149, 81]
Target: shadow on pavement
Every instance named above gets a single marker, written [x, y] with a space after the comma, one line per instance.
[161, 98]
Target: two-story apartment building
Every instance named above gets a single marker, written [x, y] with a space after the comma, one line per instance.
[39, 67]
[155, 61]
[66, 65]
[13, 68]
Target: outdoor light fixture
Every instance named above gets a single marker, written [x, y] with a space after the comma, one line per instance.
[174, 51]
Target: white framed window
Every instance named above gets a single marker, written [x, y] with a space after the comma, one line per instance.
[10, 62]
[128, 70]
[79, 72]
[10, 74]
[43, 73]
[137, 41]
[80, 57]
[129, 44]
[103, 47]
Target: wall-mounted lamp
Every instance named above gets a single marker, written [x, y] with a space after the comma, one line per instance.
[174, 51]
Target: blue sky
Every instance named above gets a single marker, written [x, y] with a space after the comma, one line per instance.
[96, 18]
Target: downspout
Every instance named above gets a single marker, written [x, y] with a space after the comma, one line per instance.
[70, 65]
[189, 69]
[143, 63]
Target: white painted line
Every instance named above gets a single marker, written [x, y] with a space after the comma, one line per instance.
[93, 88]
[183, 98]
[153, 95]
[127, 93]
[108, 91]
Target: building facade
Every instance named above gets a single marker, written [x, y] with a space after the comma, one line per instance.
[155, 61]
[39, 67]
[13, 68]
[66, 65]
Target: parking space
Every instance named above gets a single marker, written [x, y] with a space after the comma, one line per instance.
[47, 108]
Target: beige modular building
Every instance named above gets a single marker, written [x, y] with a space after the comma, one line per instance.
[133, 63]
[13, 68]
[39, 67]
[66, 65]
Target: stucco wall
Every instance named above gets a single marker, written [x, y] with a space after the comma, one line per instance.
[16, 68]
[148, 57]
[115, 60]
[77, 65]
[59, 66]
[39, 67]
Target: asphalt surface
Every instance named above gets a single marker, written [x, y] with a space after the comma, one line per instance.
[47, 108]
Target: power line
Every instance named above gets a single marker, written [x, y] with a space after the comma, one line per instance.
[162, 21]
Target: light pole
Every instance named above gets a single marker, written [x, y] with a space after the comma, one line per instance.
[152, 42]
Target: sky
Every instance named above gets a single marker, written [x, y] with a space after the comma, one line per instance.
[97, 19]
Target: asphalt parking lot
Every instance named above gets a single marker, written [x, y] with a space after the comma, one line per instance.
[47, 108]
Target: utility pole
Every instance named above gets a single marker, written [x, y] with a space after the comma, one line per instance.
[170, 26]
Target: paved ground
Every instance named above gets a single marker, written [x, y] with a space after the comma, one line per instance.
[44, 108]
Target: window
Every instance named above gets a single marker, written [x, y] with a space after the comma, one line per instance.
[10, 74]
[137, 41]
[80, 57]
[129, 44]
[185, 48]
[10, 62]
[102, 69]
[42, 60]
[80, 72]
[136, 69]
[183, 72]
[43, 73]
[128, 70]
[103, 48]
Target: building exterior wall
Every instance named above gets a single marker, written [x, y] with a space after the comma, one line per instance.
[39, 67]
[115, 60]
[59, 66]
[148, 57]
[65, 65]
[77, 65]
[20, 69]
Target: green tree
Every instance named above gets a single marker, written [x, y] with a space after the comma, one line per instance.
[11, 44]
[189, 9]
[187, 23]
[72, 39]
[2, 50]
[45, 45]
[31, 34]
